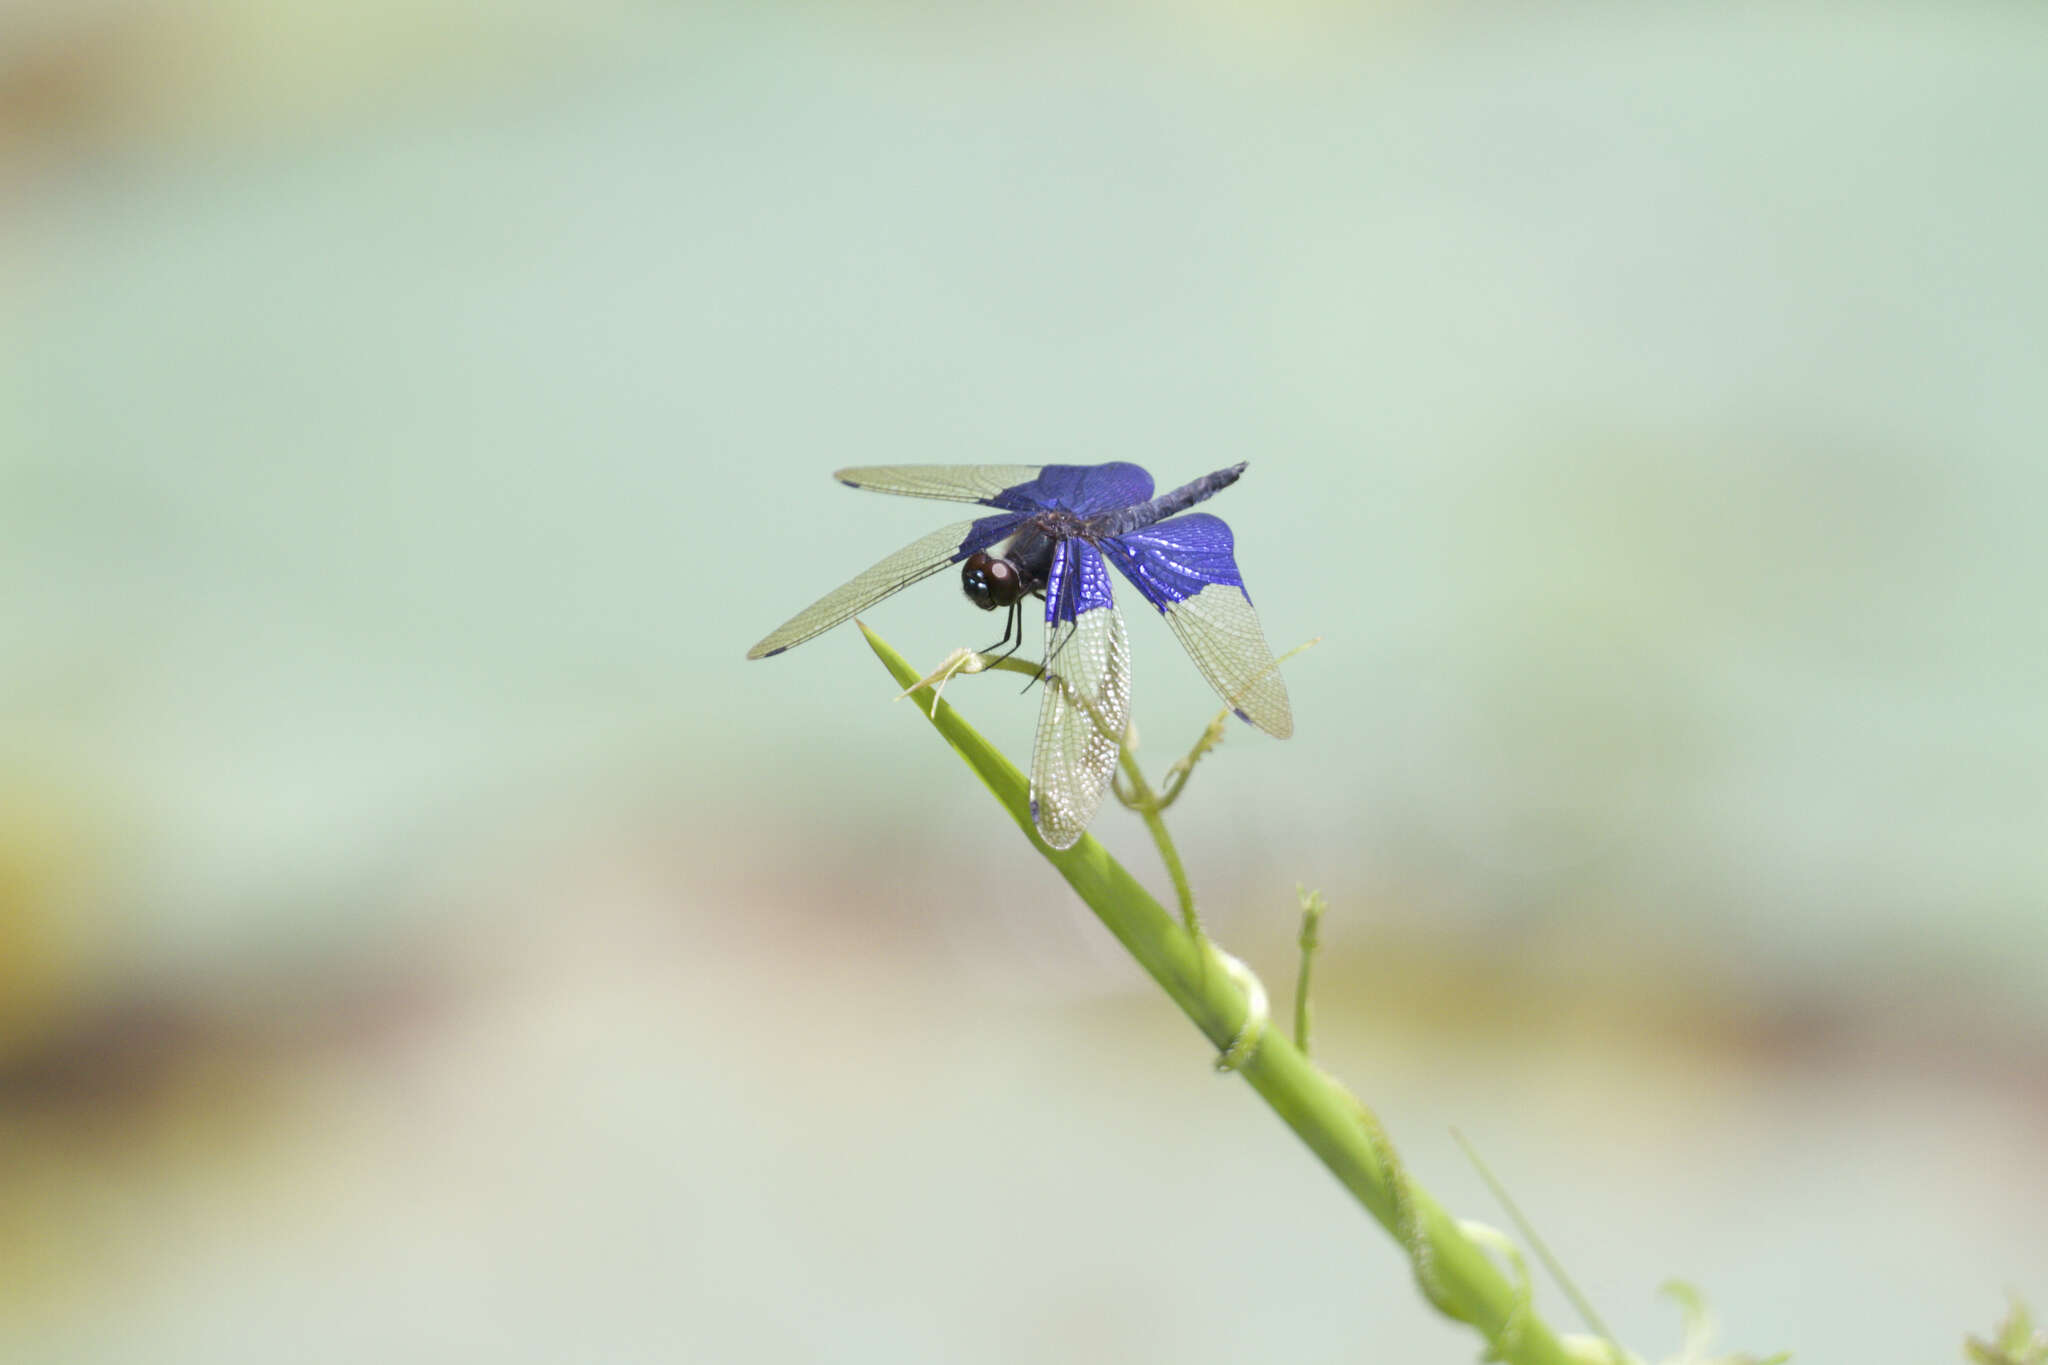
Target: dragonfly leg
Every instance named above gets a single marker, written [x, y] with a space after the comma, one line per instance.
[1058, 648]
[1013, 629]
[1008, 621]
[1044, 663]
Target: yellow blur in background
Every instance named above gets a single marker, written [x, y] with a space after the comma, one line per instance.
[422, 936]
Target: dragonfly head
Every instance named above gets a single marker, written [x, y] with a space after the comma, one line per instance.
[990, 582]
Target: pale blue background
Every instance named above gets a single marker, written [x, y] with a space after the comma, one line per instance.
[410, 433]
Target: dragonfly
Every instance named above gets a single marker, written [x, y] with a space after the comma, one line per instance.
[1053, 534]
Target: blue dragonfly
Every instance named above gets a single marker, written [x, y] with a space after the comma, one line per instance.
[1054, 531]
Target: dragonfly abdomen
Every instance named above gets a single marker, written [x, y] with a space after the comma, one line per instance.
[1169, 504]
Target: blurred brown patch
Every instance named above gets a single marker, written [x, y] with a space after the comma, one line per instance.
[67, 82]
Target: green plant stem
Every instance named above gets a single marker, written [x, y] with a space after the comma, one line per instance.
[1311, 919]
[1147, 804]
[1457, 1275]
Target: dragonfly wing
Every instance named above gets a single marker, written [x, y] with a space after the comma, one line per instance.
[981, 483]
[920, 559]
[1185, 567]
[1085, 489]
[1088, 490]
[1087, 696]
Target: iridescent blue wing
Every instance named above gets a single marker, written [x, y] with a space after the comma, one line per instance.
[1086, 489]
[1087, 696]
[1185, 567]
[917, 560]
[981, 483]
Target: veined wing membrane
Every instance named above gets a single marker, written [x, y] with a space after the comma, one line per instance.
[915, 561]
[1087, 696]
[951, 482]
[1087, 490]
[1186, 567]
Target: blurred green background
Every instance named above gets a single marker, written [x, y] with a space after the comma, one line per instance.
[422, 937]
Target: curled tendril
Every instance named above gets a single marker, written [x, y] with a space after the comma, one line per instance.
[1509, 1336]
[1257, 1015]
[1407, 1222]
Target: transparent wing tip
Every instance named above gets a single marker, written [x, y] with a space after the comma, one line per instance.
[1053, 836]
[1277, 721]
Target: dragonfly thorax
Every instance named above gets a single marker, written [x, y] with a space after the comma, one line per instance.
[990, 582]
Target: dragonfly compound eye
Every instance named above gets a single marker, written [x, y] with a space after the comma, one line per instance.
[990, 582]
